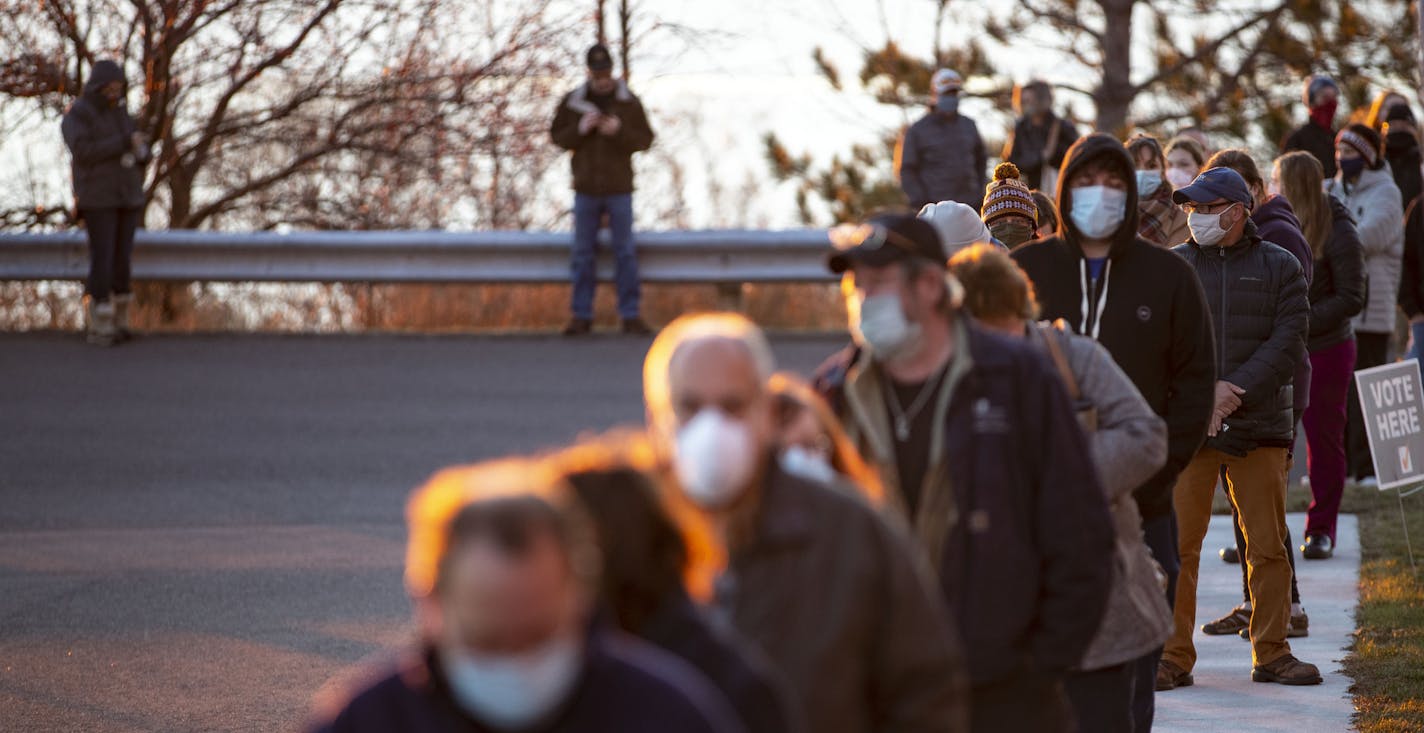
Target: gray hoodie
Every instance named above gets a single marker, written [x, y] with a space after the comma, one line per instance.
[108, 172]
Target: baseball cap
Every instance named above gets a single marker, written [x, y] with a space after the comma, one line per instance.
[1213, 184]
[883, 239]
[946, 80]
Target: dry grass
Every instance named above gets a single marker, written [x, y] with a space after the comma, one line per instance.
[356, 308]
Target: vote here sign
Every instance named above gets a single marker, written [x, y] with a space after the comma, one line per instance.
[1392, 399]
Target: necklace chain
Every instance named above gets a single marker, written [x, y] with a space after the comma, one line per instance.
[902, 416]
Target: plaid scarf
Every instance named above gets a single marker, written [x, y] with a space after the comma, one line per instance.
[1158, 217]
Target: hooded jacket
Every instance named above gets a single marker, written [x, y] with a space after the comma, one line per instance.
[1147, 310]
[602, 164]
[1379, 219]
[1276, 222]
[1337, 292]
[108, 172]
[1261, 312]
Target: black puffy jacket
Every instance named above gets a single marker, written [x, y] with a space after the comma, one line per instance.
[1337, 294]
[108, 172]
[1260, 313]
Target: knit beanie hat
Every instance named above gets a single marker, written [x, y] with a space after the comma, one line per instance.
[1364, 140]
[1315, 84]
[958, 225]
[1006, 195]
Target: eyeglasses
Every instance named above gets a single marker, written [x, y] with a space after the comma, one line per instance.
[1192, 207]
[868, 237]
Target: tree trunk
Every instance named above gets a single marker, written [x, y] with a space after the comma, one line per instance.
[625, 32]
[1114, 95]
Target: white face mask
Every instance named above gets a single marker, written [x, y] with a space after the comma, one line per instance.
[807, 464]
[878, 324]
[716, 458]
[1098, 210]
[1148, 182]
[1179, 177]
[517, 690]
[1206, 228]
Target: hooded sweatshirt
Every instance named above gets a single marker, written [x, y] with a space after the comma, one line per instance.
[1146, 308]
[1276, 222]
[108, 172]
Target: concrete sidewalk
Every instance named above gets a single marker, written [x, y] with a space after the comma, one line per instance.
[1224, 698]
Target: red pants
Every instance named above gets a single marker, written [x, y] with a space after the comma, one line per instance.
[1324, 420]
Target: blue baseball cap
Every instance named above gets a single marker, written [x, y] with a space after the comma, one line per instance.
[1213, 184]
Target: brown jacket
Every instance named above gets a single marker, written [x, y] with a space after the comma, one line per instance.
[845, 609]
[602, 164]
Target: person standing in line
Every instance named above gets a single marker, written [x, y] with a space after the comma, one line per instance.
[1366, 188]
[1159, 221]
[1040, 138]
[109, 153]
[975, 440]
[1009, 209]
[835, 597]
[502, 568]
[1145, 305]
[1401, 151]
[1275, 222]
[1186, 158]
[1317, 135]
[1129, 445]
[1260, 338]
[603, 124]
[941, 156]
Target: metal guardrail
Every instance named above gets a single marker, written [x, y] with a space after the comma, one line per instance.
[724, 257]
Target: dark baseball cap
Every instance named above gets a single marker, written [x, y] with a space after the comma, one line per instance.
[883, 239]
[1213, 184]
[599, 59]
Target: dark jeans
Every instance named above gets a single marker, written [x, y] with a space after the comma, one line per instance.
[1160, 534]
[588, 217]
[1026, 702]
[1102, 698]
[1371, 350]
[111, 243]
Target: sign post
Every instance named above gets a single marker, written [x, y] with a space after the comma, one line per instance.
[1392, 400]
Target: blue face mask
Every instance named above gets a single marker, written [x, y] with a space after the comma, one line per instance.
[947, 104]
[1352, 168]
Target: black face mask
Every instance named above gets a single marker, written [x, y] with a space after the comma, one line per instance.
[1400, 143]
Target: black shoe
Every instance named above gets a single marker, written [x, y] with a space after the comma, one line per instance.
[579, 327]
[636, 327]
[1230, 555]
[1317, 547]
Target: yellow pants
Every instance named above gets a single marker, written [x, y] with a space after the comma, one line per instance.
[1256, 485]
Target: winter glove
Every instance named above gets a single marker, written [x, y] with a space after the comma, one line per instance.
[1232, 443]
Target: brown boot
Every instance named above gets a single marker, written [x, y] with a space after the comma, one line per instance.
[1170, 676]
[1286, 670]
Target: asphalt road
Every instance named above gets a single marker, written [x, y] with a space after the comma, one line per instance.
[196, 533]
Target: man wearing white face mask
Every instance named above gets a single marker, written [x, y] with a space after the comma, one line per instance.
[1146, 307]
[977, 445]
[502, 568]
[834, 597]
[942, 157]
[1260, 313]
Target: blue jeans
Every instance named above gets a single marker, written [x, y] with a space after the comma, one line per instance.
[588, 216]
[1417, 330]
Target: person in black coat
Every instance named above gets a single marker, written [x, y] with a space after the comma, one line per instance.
[108, 155]
[1146, 307]
[1411, 283]
[503, 570]
[1260, 313]
[1317, 135]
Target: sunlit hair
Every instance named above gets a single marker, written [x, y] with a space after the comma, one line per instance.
[1141, 146]
[675, 530]
[1192, 147]
[795, 395]
[697, 329]
[1302, 177]
[994, 285]
[1240, 161]
[504, 501]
